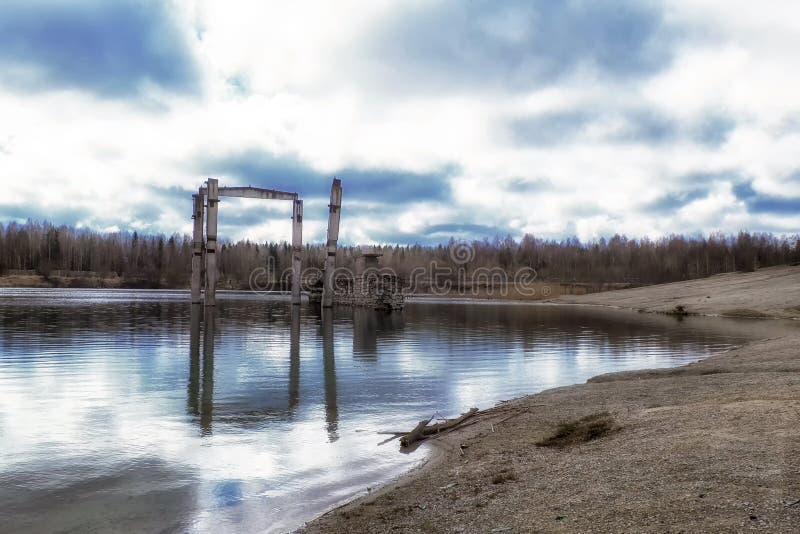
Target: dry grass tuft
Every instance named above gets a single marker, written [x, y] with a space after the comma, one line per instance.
[505, 475]
[585, 429]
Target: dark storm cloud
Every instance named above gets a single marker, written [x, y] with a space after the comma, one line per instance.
[107, 48]
[770, 204]
[519, 44]
[261, 169]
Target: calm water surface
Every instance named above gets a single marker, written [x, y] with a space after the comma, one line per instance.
[122, 410]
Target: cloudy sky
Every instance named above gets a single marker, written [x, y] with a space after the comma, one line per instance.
[462, 118]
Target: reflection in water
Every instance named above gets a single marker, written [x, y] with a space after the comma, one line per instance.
[294, 359]
[369, 326]
[329, 365]
[96, 410]
[201, 399]
[207, 394]
[193, 393]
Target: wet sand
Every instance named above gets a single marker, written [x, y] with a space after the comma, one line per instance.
[707, 447]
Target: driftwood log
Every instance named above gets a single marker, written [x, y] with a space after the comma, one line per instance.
[415, 434]
[422, 430]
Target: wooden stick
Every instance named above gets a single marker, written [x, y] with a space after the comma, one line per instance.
[435, 429]
[415, 434]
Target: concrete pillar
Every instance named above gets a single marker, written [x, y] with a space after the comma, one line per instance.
[197, 248]
[297, 248]
[202, 193]
[334, 211]
[211, 241]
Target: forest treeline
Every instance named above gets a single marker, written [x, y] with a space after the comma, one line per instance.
[165, 261]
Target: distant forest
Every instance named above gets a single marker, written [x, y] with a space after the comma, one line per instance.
[164, 261]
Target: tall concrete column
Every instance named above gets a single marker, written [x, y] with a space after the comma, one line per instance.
[197, 248]
[212, 196]
[297, 248]
[334, 212]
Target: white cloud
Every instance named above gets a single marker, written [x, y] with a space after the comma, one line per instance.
[295, 80]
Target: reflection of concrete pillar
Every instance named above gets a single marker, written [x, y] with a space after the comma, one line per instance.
[207, 396]
[329, 364]
[365, 334]
[193, 388]
[297, 248]
[334, 211]
[211, 242]
[294, 358]
[197, 248]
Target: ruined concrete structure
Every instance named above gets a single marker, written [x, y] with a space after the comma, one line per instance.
[368, 287]
[334, 212]
[376, 291]
[204, 258]
[373, 288]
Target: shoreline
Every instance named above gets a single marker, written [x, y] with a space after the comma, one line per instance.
[439, 448]
[477, 482]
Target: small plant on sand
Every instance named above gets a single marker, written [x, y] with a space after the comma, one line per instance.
[585, 429]
[505, 475]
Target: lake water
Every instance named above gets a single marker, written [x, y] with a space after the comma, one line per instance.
[122, 410]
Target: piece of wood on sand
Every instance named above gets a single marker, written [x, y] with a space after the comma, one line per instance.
[422, 430]
[448, 424]
[415, 434]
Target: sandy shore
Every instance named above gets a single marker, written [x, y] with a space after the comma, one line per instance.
[772, 292]
[708, 447]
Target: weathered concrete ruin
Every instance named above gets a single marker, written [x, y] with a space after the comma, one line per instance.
[373, 287]
[205, 249]
[368, 286]
[334, 212]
